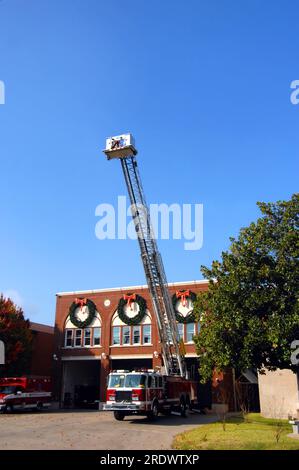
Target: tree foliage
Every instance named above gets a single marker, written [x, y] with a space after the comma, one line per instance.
[17, 336]
[251, 308]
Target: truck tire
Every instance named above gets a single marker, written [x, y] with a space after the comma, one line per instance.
[183, 408]
[119, 415]
[153, 414]
[8, 409]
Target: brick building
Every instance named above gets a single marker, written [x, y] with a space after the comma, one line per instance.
[84, 356]
[42, 349]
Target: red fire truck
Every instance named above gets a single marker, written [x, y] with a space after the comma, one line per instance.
[20, 393]
[148, 393]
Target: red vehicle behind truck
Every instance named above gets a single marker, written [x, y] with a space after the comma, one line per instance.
[20, 393]
[148, 393]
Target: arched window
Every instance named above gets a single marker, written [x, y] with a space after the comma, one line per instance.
[131, 335]
[89, 337]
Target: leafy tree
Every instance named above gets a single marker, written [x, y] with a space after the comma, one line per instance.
[16, 334]
[251, 308]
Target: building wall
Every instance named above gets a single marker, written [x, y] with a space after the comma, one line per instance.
[43, 348]
[279, 394]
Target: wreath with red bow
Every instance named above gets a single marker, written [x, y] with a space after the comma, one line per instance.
[184, 296]
[91, 312]
[127, 300]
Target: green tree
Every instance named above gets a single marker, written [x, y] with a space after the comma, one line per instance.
[16, 334]
[251, 312]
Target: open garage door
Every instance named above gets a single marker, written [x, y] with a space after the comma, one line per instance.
[81, 384]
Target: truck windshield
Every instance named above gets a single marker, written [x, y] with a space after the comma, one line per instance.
[116, 380]
[135, 380]
[7, 389]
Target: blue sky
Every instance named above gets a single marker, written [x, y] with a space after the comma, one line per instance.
[204, 86]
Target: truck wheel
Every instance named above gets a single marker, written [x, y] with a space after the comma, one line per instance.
[153, 414]
[183, 408]
[119, 415]
[8, 409]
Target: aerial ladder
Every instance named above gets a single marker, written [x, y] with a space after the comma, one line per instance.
[123, 148]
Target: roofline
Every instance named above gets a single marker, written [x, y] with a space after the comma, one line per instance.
[115, 289]
[41, 327]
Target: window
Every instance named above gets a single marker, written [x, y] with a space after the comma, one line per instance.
[78, 338]
[147, 334]
[87, 337]
[116, 335]
[181, 330]
[136, 335]
[135, 380]
[198, 327]
[68, 338]
[189, 332]
[96, 336]
[116, 380]
[126, 335]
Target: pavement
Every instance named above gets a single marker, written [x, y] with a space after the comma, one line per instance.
[92, 430]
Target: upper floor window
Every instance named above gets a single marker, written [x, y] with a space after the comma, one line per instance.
[128, 335]
[136, 335]
[96, 336]
[116, 335]
[80, 338]
[187, 331]
[87, 337]
[68, 341]
[147, 334]
[190, 331]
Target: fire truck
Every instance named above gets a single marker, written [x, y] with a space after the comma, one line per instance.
[21, 393]
[148, 392]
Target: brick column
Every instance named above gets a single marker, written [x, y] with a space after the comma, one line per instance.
[105, 367]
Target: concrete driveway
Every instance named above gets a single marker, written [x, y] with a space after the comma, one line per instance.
[92, 430]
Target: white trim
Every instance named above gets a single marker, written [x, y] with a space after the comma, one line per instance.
[132, 356]
[81, 358]
[140, 345]
[191, 355]
[125, 288]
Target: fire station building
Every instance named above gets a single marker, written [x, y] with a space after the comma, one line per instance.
[101, 330]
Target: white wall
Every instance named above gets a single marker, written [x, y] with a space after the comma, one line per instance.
[279, 394]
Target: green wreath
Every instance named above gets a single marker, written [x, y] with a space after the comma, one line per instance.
[127, 299]
[179, 317]
[91, 312]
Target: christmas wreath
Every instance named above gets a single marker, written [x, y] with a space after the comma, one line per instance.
[91, 312]
[183, 295]
[128, 299]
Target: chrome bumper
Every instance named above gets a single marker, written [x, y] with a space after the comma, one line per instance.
[122, 407]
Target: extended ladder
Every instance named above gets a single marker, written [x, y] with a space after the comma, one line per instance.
[120, 147]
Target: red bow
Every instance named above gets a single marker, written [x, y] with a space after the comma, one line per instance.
[81, 302]
[130, 298]
[182, 294]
